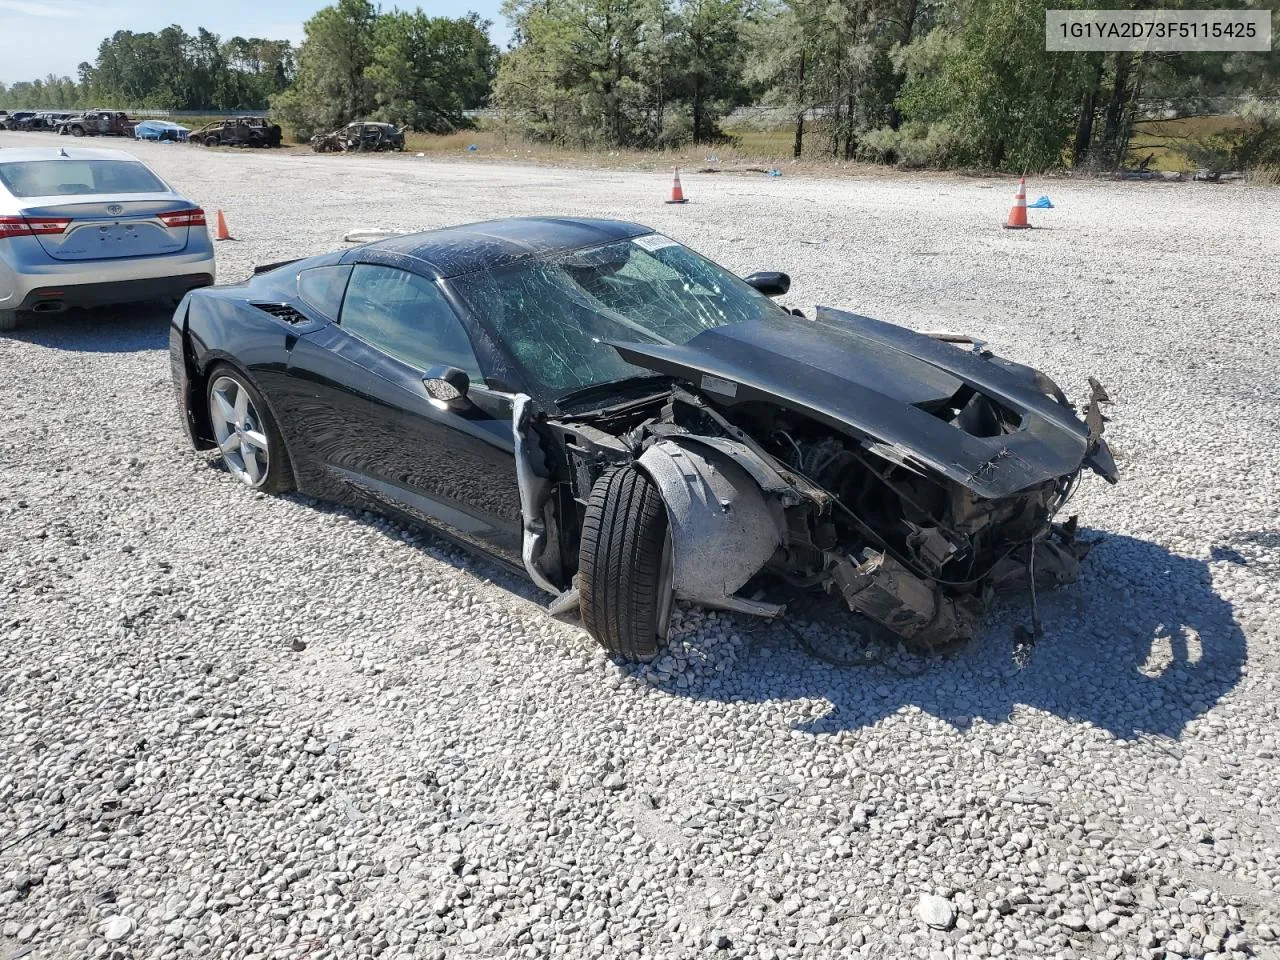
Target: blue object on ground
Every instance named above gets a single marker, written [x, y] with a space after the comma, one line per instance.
[775, 172]
[1043, 203]
[472, 148]
[161, 130]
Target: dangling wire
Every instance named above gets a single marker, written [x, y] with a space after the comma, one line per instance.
[1024, 640]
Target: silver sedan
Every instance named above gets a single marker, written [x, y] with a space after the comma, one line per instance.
[93, 227]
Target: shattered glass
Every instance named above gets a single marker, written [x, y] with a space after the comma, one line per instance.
[557, 315]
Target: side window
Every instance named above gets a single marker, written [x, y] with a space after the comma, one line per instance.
[322, 287]
[406, 316]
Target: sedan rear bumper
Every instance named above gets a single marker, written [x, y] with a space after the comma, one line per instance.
[26, 270]
[51, 297]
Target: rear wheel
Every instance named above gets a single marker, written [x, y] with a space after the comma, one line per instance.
[247, 436]
[625, 565]
[8, 320]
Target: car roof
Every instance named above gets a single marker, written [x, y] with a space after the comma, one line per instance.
[453, 251]
[10, 154]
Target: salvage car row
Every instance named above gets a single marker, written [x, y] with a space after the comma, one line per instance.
[247, 131]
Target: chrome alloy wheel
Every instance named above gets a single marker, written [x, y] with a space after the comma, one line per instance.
[239, 431]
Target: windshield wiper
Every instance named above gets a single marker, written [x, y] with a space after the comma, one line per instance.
[612, 386]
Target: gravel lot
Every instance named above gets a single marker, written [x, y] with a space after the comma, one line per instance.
[443, 771]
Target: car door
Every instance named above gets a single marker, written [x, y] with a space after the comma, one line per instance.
[369, 423]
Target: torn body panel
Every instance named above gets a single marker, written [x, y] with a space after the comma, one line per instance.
[913, 500]
[724, 528]
[536, 491]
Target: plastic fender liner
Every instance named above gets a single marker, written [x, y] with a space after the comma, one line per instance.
[723, 529]
[535, 491]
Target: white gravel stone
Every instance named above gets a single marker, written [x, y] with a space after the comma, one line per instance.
[936, 912]
[117, 928]
[258, 726]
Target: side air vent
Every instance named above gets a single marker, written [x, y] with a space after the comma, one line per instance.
[282, 311]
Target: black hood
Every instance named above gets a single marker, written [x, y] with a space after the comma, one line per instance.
[877, 382]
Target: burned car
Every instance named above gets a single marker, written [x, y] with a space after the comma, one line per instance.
[238, 132]
[45, 120]
[627, 423]
[363, 135]
[16, 120]
[98, 123]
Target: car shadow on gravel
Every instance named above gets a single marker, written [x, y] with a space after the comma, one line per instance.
[124, 328]
[1141, 644]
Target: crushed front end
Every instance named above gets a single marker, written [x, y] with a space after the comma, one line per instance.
[915, 514]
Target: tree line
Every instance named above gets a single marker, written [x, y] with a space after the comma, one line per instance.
[170, 70]
[911, 82]
[356, 62]
[914, 82]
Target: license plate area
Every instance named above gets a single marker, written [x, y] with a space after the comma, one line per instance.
[106, 240]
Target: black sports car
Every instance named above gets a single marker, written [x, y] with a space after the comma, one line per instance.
[626, 422]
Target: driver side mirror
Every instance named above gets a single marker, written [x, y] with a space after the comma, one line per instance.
[447, 387]
[771, 283]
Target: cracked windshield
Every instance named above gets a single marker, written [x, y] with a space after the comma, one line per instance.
[558, 315]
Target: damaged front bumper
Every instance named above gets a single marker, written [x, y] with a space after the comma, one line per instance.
[773, 496]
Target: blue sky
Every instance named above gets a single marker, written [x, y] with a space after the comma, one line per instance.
[39, 37]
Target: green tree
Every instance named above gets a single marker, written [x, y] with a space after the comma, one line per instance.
[331, 87]
[983, 86]
[829, 64]
[620, 73]
[427, 70]
[708, 61]
[580, 72]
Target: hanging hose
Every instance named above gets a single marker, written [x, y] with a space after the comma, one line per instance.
[1024, 640]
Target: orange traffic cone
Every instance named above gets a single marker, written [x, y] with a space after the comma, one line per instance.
[677, 192]
[222, 233]
[1018, 213]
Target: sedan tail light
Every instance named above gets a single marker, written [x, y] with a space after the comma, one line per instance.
[32, 226]
[192, 217]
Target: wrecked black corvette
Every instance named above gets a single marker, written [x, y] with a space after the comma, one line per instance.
[628, 423]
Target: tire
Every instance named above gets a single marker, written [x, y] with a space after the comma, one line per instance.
[8, 321]
[625, 565]
[252, 449]
[77, 131]
[211, 141]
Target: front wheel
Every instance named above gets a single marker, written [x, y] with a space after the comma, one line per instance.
[247, 436]
[625, 565]
[77, 131]
[211, 141]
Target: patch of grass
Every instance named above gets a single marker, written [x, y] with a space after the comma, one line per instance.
[749, 150]
[1168, 142]
[774, 143]
[497, 144]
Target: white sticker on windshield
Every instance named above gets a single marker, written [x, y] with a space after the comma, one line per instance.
[726, 388]
[653, 241]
